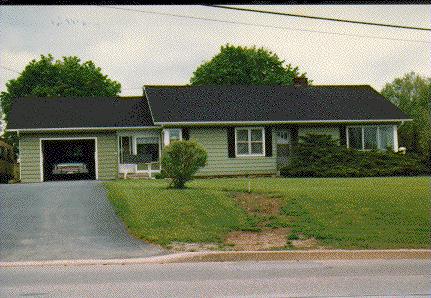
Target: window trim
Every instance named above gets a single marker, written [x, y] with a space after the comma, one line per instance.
[135, 151]
[249, 129]
[394, 136]
[167, 135]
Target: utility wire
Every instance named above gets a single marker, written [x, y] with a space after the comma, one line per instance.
[265, 26]
[10, 69]
[319, 18]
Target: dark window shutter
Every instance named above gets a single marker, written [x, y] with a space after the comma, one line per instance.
[231, 142]
[294, 135]
[343, 141]
[268, 141]
[186, 133]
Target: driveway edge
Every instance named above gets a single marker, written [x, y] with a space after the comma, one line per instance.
[235, 256]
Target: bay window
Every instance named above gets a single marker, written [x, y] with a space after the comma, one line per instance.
[370, 137]
[250, 141]
[147, 148]
[355, 137]
[386, 135]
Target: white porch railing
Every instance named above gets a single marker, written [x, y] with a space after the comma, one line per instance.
[126, 169]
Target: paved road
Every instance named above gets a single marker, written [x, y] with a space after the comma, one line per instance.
[241, 279]
[63, 220]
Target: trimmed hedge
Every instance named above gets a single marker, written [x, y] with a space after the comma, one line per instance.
[321, 156]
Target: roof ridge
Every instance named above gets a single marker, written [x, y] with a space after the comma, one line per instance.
[81, 97]
[238, 85]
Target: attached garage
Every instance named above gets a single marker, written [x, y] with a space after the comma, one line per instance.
[73, 132]
[68, 159]
[39, 152]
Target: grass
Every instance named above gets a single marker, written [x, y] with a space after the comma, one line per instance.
[339, 212]
[157, 214]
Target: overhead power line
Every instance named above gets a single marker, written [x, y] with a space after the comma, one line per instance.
[319, 18]
[10, 69]
[264, 26]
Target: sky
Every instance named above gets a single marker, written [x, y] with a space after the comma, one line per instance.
[137, 49]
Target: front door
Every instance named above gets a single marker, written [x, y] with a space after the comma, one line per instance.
[283, 147]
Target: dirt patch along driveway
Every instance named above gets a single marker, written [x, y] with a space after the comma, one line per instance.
[63, 220]
[266, 239]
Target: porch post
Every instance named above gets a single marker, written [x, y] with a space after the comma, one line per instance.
[395, 130]
[166, 137]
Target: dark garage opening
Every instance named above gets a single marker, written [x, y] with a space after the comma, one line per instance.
[68, 152]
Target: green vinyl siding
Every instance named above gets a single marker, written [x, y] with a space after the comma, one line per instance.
[29, 155]
[29, 152]
[333, 131]
[214, 141]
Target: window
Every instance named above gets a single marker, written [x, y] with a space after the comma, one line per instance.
[386, 137]
[147, 149]
[355, 137]
[283, 146]
[370, 137]
[172, 134]
[283, 137]
[250, 141]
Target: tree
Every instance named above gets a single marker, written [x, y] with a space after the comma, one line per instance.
[412, 94]
[181, 160]
[236, 65]
[66, 77]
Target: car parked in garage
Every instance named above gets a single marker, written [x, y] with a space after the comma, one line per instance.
[68, 159]
[70, 168]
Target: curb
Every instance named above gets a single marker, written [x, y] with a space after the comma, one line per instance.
[235, 256]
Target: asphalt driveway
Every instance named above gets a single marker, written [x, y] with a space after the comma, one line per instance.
[63, 220]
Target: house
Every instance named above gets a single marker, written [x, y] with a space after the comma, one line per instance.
[245, 129]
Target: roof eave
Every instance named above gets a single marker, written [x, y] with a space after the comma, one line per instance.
[198, 123]
[80, 128]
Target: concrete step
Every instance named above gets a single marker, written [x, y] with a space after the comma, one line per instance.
[135, 176]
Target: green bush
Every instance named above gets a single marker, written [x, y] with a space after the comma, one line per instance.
[321, 156]
[159, 176]
[181, 160]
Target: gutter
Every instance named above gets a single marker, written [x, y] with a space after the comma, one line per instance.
[350, 121]
[158, 125]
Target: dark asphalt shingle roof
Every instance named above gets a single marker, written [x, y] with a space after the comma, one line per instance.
[170, 104]
[268, 103]
[79, 112]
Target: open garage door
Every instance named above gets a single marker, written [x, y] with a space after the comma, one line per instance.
[72, 159]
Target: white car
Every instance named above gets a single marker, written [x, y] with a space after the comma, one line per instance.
[70, 168]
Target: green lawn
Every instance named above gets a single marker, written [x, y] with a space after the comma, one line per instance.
[338, 212]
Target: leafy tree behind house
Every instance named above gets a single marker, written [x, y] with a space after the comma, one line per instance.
[237, 65]
[412, 94]
[49, 77]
